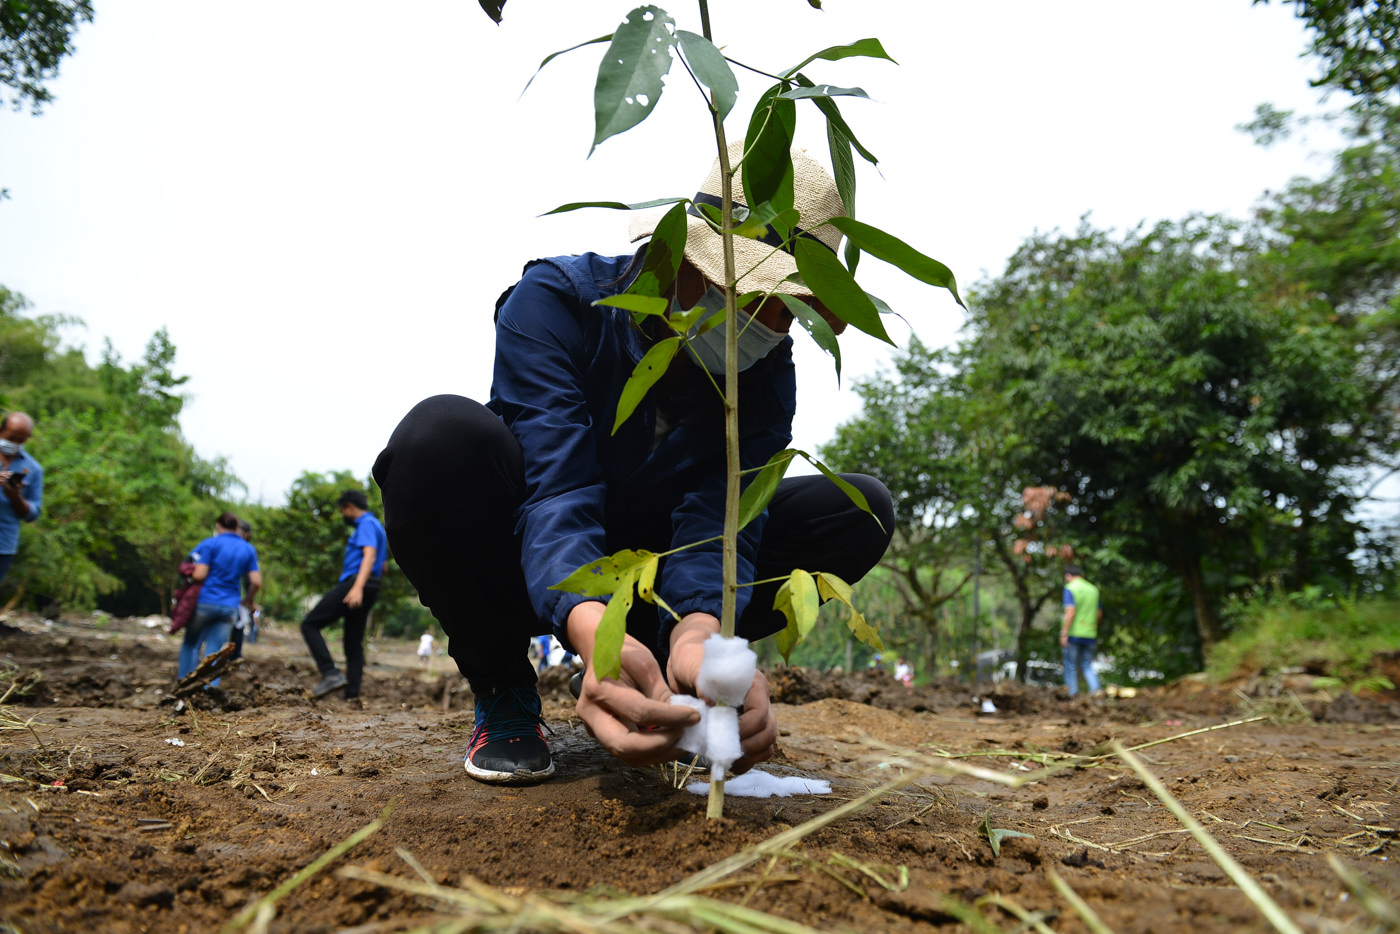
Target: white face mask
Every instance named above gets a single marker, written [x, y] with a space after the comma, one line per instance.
[9, 448]
[755, 338]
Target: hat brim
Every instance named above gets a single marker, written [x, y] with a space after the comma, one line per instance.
[760, 267]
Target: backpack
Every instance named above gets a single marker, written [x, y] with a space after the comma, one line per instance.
[184, 598]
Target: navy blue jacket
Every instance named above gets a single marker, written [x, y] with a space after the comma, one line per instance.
[561, 364]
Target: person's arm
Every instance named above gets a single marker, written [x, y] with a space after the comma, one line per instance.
[14, 492]
[1064, 630]
[201, 571]
[356, 595]
[254, 585]
[547, 339]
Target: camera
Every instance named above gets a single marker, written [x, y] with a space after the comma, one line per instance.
[16, 479]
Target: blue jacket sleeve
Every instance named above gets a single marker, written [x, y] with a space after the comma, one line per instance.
[542, 352]
[33, 492]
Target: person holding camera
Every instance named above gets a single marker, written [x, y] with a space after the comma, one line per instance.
[22, 482]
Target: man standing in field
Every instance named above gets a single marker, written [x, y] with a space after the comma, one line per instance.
[1080, 633]
[21, 481]
[350, 599]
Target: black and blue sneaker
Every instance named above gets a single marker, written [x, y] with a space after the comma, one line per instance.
[507, 746]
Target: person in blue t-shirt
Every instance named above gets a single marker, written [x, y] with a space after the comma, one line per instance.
[21, 482]
[222, 564]
[350, 599]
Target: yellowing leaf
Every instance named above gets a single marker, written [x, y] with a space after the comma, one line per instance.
[832, 587]
[797, 600]
[603, 577]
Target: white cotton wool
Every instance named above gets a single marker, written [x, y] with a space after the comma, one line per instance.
[722, 739]
[693, 739]
[727, 672]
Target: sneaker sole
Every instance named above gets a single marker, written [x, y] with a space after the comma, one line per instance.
[322, 693]
[518, 777]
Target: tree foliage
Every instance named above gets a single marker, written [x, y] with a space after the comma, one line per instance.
[35, 35]
[1357, 43]
[302, 545]
[125, 495]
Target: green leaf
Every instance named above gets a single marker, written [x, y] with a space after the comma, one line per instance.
[831, 587]
[604, 576]
[835, 288]
[816, 326]
[612, 631]
[834, 120]
[710, 69]
[629, 78]
[895, 251]
[757, 224]
[637, 304]
[823, 90]
[614, 205]
[797, 600]
[664, 254]
[853, 494]
[493, 8]
[995, 835]
[767, 169]
[759, 492]
[867, 48]
[650, 369]
[553, 55]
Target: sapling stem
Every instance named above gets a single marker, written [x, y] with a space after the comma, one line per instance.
[730, 565]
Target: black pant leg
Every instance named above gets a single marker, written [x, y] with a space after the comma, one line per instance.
[355, 619]
[452, 476]
[327, 610]
[813, 525]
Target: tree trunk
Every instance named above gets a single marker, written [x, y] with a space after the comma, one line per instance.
[1207, 624]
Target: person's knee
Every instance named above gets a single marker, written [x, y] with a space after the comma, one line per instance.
[878, 498]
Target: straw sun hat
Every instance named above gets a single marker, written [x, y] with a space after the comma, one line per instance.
[815, 198]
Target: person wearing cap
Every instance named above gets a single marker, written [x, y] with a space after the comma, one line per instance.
[1080, 631]
[222, 564]
[350, 599]
[21, 482]
[488, 506]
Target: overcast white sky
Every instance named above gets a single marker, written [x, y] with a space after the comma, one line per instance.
[322, 201]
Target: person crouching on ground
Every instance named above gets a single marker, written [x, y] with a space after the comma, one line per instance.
[488, 506]
[221, 564]
[350, 599]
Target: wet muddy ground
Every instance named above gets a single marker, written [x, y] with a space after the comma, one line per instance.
[118, 813]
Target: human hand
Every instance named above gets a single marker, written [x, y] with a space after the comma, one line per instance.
[355, 597]
[758, 725]
[1064, 640]
[630, 715]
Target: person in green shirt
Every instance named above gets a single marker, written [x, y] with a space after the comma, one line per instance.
[1080, 633]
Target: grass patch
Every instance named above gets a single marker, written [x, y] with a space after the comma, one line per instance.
[1341, 640]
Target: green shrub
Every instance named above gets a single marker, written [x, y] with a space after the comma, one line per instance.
[1329, 637]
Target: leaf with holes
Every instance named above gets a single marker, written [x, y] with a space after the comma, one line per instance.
[629, 79]
[650, 369]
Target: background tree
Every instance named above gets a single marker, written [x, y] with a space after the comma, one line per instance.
[35, 35]
[302, 546]
[1188, 404]
[125, 495]
[913, 437]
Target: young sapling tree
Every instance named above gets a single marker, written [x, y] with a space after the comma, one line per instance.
[640, 53]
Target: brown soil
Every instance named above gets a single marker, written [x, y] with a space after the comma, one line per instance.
[109, 826]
